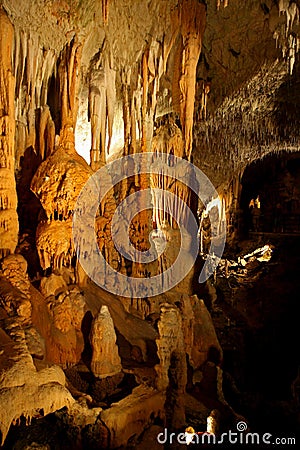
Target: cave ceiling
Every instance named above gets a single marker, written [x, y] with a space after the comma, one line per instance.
[249, 57]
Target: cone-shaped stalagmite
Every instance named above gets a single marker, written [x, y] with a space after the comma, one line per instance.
[105, 360]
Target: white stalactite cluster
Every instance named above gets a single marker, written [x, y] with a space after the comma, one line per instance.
[101, 108]
[245, 127]
[33, 67]
[223, 3]
[285, 35]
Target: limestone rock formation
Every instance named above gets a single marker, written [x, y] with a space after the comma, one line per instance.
[205, 337]
[126, 418]
[212, 82]
[52, 285]
[14, 269]
[8, 197]
[14, 288]
[106, 361]
[58, 319]
[24, 390]
[57, 184]
[172, 370]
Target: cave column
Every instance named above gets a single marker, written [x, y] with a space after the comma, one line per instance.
[9, 226]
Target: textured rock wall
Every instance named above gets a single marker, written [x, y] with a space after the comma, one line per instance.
[8, 196]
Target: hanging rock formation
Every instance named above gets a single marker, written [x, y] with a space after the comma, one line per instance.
[192, 15]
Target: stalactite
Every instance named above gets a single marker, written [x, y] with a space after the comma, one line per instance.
[102, 100]
[126, 119]
[125, 79]
[69, 68]
[105, 11]
[133, 118]
[285, 35]
[46, 133]
[223, 2]
[110, 99]
[33, 67]
[144, 100]
[8, 216]
[193, 19]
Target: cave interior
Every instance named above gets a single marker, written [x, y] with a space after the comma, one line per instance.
[197, 104]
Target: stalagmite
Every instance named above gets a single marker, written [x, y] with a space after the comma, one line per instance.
[106, 361]
[171, 372]
[213, 420]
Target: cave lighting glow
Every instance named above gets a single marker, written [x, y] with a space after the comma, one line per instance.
[83, 138]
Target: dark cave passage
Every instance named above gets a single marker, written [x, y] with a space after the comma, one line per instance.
[261, 345]
[275, 180]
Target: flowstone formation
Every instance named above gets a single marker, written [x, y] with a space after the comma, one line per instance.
[210, 82]
[57, 184]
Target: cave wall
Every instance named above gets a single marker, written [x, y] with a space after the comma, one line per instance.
[214, 82]
[9, 225]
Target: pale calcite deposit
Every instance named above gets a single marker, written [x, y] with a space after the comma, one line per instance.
[24, 390]
[124, 418]
[106, 361]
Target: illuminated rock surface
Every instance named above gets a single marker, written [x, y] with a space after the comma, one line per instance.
[82, 84]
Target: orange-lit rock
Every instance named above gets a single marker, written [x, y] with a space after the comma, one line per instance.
[9, 226]
[106, 361]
